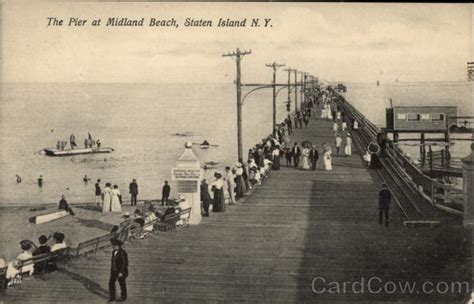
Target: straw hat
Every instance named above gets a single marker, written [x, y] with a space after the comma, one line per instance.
[238, 164]
[126, 214]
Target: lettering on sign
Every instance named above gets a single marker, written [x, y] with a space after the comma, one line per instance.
[185, 174]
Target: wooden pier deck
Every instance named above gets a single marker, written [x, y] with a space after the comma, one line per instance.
[297, 226]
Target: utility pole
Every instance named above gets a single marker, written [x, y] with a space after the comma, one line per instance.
[303, 86]
[296, 90]
[289, 90]
[238, 56]
[274, 66]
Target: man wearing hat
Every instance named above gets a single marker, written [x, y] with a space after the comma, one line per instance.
[165, 193]
[313, 156]
[133, 189]
[118, 271]
[296, 153]
[384, 204]
[205, 197]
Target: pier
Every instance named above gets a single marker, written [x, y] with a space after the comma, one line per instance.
[285, 243]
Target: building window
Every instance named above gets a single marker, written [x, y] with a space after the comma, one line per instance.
[413, 117]
[437, 117]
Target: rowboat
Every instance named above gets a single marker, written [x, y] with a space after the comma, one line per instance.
[70, 152]
[44, 218]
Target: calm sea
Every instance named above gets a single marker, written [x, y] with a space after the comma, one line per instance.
[139, 120]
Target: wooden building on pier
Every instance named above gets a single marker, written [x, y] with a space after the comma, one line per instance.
[420, 120]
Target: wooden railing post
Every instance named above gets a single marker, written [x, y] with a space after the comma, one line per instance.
[430, 157]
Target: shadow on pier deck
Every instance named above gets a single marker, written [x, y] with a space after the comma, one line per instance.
[298, 226]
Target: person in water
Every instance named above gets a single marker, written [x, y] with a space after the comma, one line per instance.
[40, 181]
[18, 179]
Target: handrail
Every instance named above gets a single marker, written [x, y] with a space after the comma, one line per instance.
[417, 181]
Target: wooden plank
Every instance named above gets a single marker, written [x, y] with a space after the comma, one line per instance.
[296, 226]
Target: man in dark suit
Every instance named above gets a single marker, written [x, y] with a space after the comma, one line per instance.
[63, 205]
[118, 271]
[384, 204]
[205, 197]
[296, 152]
[313, 156]
[133, 189]
[165, 193]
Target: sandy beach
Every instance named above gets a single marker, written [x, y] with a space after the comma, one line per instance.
[84, 225]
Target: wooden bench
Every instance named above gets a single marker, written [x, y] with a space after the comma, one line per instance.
[187, 214]
[45, 261]
[92, 245]
[168, 223]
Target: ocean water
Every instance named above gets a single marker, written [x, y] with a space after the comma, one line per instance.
[139, 120]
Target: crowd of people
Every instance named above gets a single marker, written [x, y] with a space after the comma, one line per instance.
[89, 142]
[227, 188]
[18, 267]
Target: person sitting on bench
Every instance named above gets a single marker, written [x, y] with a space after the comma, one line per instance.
[183, 205]
[58, 238]
[14, 266]
[43, 248]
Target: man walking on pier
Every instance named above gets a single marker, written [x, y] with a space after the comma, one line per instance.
[313, 156]
[296, 152]
[205, 197]
[384, 204]
[165, 193]
[133, 189]
[98, 193]
[118, 271]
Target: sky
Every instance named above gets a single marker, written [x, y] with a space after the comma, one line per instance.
[358, 42]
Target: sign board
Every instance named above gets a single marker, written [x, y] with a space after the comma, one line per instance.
[185, 174]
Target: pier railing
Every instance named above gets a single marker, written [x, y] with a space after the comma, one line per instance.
[441, 196]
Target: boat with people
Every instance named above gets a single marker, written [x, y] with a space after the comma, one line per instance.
[71, 152]
[91, 146]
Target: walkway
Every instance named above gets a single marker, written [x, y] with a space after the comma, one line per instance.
[298, 226]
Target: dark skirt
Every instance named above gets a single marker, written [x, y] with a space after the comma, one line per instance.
[276, 163]
[218, 204]
[240, 186]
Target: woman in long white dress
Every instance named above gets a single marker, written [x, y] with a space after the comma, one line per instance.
[323, 110]
[115, 200]
[330, 117]
[305, 161]
[348, 148]
[106, 193]
[327, 159]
